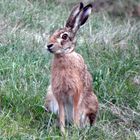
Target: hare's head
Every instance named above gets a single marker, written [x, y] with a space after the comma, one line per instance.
[63, 40]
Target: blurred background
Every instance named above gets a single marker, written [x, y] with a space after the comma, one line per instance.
[129, 8]
[110, 45]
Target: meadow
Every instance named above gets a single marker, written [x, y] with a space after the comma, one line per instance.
[110, 47]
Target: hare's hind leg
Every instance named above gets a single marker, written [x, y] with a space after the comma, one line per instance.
[93, 106]
[92, 118]
[55, 107]
[51, 103]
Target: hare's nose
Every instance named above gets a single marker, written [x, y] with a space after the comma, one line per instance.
[50, 46]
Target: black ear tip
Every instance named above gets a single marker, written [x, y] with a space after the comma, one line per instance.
[81, 5]
[88, 6]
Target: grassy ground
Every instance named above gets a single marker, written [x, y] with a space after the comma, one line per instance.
[111, 49]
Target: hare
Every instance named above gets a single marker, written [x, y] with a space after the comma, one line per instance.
[70, 94]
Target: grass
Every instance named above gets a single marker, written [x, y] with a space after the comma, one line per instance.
[111, 49]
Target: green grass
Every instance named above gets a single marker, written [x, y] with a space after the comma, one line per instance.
[111, 49]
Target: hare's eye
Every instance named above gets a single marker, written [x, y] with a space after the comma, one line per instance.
[64, 36]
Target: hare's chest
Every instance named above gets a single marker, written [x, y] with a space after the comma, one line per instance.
[66, 79]
[67, 74]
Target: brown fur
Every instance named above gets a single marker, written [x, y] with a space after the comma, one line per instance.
[71, 84]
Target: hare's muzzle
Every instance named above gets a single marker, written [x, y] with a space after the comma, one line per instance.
[50, 46]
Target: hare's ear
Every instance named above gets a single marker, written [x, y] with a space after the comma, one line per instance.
[78, 16]
[73, 16]
[85, 14]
